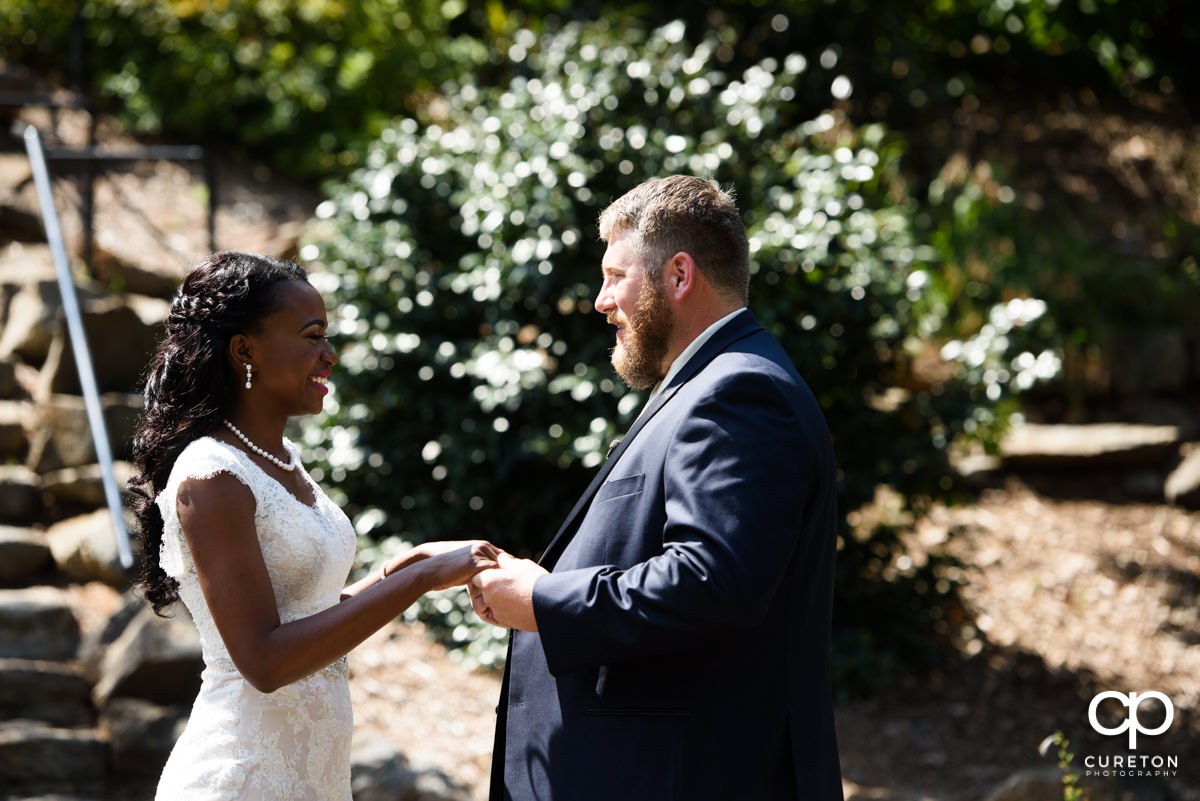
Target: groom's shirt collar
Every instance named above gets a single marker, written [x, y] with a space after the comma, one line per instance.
[682, 359]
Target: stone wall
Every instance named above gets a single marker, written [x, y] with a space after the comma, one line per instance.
[93, 688]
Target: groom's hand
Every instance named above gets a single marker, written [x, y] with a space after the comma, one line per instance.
[503, 596]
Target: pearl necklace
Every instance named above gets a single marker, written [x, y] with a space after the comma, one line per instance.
[288, 466]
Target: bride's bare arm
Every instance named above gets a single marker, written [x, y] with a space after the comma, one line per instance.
[397, 563]
[217, 517]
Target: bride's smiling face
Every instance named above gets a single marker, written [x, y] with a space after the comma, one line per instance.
[290, 356]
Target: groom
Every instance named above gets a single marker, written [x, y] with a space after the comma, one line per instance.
[673, 641]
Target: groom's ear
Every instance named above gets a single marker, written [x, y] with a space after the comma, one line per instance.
[679, 276]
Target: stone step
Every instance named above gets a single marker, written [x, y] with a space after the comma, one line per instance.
[55, 693]
[20, 495]
[141, 735]
[30, 322]
[1138, 456]
[24, 556]
[122, 333]
[22, 262]
[14, 439]
[152, 658]
[76, 488]
[10, 387]
[38, 758]
[62, 434]
[37, 623]
[1183, 485]
[1100, 445]
[85, 549]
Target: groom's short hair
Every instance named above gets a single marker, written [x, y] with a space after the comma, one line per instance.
[689, 214]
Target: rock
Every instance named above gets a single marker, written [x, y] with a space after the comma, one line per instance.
[9, 386]
[1046, 784]
[1183, 484]
[1098, 445]
[120, 344]
[82, 487]
[22, 262]
[1041, 784]
[85, 548]
[97, 640]
[1144, 484]
[976, 470]
[20, 498]
[380, 773]
[122, 411]
[37, 623]
[38, 755]
[24, 555]
[141, 279]
[56, 693]
[30, 322]
[19, 207]
[64, 436]
[141, 735]
[14, 442]
[155, 659]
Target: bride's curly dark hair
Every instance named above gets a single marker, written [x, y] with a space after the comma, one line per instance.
[189, 383]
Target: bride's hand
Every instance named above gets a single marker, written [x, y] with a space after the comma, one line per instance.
[449, 563]
[418, 553]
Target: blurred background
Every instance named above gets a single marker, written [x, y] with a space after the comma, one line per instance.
[974, 225]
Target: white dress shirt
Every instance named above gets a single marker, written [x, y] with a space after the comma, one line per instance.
[688, 352]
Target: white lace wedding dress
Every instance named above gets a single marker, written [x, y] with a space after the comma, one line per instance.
[292, 744]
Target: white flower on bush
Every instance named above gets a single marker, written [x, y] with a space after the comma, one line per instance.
[985, 356]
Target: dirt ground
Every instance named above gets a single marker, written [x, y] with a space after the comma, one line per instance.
[1066, 598]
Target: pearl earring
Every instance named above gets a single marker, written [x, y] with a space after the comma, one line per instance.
[247, 376]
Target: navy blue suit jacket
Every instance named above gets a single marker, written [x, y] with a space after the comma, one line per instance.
[683, 643]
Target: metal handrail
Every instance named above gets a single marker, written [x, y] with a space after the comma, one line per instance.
[83, 357]
[93, 156]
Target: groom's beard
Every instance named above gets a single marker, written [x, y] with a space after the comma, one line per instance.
[639, 359]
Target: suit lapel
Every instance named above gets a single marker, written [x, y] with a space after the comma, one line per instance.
[554, 549]
[739, 327]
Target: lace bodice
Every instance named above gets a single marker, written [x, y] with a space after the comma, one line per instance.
[240, 743]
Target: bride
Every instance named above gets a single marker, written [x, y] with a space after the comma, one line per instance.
[232, 525]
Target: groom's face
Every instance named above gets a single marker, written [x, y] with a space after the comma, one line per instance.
[636, 304]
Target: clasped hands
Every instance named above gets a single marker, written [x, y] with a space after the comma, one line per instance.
[500, 584]
[503, 595]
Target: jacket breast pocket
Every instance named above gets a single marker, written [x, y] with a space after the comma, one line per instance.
[620, 487]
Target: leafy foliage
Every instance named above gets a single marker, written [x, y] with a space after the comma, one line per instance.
[299, 81]
[1097, 286]
[1070, 779]
[306, 82]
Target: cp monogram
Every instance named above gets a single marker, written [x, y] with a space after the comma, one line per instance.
[1131, 702]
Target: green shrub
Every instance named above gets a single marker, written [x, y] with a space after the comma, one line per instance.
[1104, 274]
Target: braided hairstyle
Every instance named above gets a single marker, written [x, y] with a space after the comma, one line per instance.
[189, 384]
